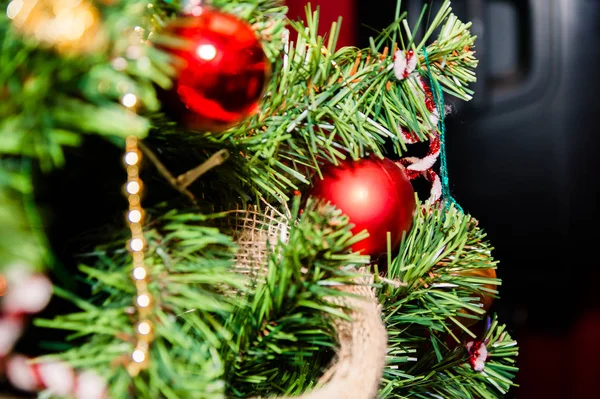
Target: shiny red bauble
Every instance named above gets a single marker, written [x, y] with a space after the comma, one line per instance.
[375, 194]
[221, 69]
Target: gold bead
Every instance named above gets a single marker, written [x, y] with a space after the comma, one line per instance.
[133, 187]
[136, 244]
[138, 356]
[133, 171]
[138, 258]
[134, 216]
[131, 141]
[139, 273]
[134, 200]
[129, 100]
[144, 328]
[136, 230]
[132, 158]
[143, 300]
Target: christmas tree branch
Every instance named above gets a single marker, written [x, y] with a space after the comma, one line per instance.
[286, 319]
[87, 90]
[189, 265]
[347, 103]
[446, 372]
[433, 266]
[438, 289]
[21, 240]
[217, 333]
[322, 105]
[284, 329]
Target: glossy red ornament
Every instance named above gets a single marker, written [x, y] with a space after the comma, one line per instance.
[221, 68]
[375, 194]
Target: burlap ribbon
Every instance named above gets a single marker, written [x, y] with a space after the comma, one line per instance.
[358, 366]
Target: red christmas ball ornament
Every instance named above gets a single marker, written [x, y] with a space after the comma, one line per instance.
[375, 194]
[221, 69]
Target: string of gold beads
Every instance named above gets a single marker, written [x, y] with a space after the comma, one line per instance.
[139, 358]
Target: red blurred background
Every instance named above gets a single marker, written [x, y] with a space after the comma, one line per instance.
[329, 12]
[532, 182]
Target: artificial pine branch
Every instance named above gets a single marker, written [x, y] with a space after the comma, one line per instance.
[189, 265]
[21, 241]
[284, 330]
[325, 105]
[422, 312]
[86, 90]
[450, 376]
[431, 266]
[286, 320]
[321, 105]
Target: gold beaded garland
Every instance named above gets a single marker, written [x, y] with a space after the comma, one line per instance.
[143, 301]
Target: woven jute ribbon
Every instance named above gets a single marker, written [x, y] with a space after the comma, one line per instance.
[357, 369]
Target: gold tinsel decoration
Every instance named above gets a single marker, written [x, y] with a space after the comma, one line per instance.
[69, 26]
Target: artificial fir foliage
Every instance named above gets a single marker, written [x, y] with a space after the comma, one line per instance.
[254, 290]
[422, 312]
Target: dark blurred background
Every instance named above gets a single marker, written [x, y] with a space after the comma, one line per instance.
[522, 159]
